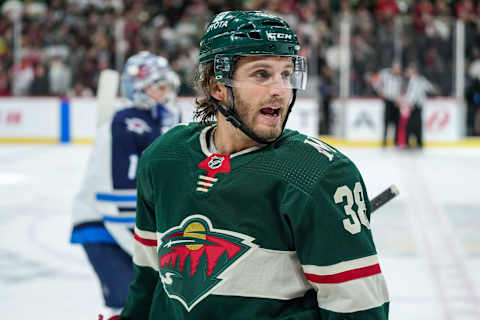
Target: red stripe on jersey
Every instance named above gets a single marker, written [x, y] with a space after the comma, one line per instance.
[346, 275]
[146, 242]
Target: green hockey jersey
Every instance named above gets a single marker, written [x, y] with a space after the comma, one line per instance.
[279, 232]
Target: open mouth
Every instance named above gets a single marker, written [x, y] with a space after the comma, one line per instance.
[270, 112]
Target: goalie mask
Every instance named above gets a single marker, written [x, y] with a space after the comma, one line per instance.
[146, 70]
[234, 34]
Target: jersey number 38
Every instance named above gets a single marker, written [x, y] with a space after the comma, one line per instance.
[353, 223]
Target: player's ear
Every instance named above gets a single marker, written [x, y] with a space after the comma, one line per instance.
[217, 90]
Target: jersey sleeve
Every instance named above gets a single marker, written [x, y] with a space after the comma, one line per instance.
[87, 206]
[145, 256]
[334, 244]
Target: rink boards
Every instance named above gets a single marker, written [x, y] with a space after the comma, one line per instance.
[356, 121]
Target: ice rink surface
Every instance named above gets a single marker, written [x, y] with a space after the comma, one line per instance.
[428, 238]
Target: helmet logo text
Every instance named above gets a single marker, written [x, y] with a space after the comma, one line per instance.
[274, 36]
[216, 25]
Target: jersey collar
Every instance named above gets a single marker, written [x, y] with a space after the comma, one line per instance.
[208, 146]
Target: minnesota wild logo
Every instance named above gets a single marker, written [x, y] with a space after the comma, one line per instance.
[194, 258]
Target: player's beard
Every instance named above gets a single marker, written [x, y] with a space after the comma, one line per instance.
[242, 109]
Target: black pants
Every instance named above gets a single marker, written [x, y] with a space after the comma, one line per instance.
[414, 125]
[391, 116]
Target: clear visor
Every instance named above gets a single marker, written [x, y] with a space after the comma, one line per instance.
[290, 72]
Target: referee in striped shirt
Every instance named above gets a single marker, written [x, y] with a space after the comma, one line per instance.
[389, 89]
[417, 89]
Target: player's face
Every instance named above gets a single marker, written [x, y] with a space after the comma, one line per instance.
[262, 101]
[158, 92]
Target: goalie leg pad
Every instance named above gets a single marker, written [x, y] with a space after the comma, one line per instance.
[114, 269]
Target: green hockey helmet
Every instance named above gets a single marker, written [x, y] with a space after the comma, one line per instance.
[244, 33]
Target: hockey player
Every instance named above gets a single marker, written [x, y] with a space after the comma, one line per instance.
[104, 209]
[241, 218]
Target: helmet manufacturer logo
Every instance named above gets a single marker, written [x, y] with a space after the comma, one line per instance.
[274, 36]
[216, 25]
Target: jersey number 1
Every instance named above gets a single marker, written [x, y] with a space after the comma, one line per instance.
[132, 166]
[354, 224]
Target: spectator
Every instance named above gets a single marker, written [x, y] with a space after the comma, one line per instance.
[472, 95]
[327, 93]
[385, 10]
[4, 82]
[80, 90]
[59, 76]
[465, 10]
[40, 85]
[22, 77]
[423, 14]
[472, 98]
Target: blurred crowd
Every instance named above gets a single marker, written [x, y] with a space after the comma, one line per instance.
[65, 44]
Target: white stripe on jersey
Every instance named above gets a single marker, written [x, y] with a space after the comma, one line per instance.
[353, 296]
[265, 273]
[145, 256]
[146, 234]
[145, 249]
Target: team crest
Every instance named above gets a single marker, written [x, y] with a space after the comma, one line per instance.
[194, 258]
[137, 125]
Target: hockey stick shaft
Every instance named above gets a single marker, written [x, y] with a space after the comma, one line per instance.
[385, 196]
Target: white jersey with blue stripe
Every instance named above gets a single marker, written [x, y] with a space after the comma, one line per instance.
[104, 208]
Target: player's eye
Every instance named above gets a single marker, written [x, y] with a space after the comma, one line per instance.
[287, 74]
[261, 75]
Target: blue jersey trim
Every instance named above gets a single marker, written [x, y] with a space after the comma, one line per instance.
[114, 198]
[119, 219]
[91, 234]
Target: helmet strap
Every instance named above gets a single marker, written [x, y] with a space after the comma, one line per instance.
[290, 107]
[231, 117]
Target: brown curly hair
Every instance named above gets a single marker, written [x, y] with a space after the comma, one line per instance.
[206, 107]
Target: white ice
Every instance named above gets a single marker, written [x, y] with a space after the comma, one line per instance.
[428, 238]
